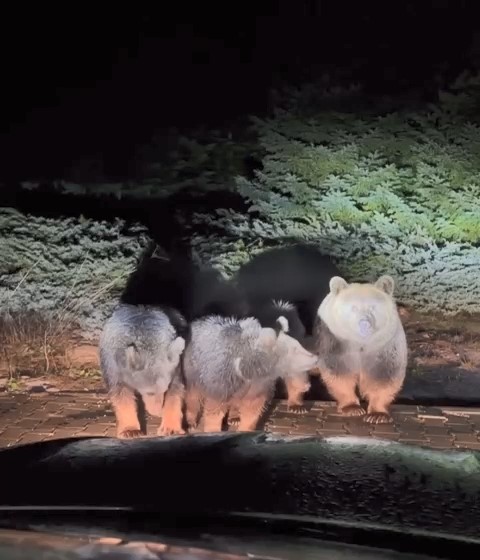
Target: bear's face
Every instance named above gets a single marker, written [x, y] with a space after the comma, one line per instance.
[362, 313]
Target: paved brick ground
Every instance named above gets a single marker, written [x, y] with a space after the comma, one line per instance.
[37, 417]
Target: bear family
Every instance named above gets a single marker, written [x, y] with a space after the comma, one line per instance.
[354, 329]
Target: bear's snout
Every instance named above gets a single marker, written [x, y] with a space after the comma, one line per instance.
[365, 327]
[307, 359]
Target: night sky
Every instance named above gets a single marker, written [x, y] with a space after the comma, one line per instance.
[83, 80]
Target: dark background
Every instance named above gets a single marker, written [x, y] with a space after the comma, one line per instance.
[81, 80]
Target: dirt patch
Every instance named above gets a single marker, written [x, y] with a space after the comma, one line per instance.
[438, 342]
[83, 355]
[43, 352]
[72, 381]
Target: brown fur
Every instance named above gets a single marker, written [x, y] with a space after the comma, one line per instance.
[244, 410]
[213, 415]
[124, 404]
[193, 406]
[167, 406]
[153, 403]
[172, 417]
[250, 410]
[296, 387]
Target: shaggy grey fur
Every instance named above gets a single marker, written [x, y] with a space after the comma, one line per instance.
[233, 365]
[140, 354]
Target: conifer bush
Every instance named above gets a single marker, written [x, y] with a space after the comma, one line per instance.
[69, 271]
[392, 191]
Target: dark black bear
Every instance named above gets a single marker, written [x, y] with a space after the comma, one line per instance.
[298, 274]
[179, 283]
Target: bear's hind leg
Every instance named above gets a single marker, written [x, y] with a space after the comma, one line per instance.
[124, 404]
[213, 414]
[251, 410]
[297, 386]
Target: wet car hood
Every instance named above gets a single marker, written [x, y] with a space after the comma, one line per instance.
[345, 489]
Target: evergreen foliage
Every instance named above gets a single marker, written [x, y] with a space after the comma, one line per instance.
[391, 191]
[69, 268]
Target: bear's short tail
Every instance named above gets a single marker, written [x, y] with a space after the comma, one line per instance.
[135, 359]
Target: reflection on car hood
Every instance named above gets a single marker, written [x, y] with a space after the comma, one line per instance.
[346, 479]
[25, 545]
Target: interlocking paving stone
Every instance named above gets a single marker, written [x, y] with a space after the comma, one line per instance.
[466, 438]
[475, 446]
[36, 417]
[31, 438]
[360, 430]
[436, 427]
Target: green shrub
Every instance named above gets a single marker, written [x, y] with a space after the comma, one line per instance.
[394, 192]
[70, 269]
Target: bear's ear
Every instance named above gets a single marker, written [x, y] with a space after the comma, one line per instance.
[337, 284]
[281, 325]
[386, 284]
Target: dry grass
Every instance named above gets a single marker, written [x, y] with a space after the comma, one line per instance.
[437, 341]
[34, 343]
[50, 344]
[40, 343]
